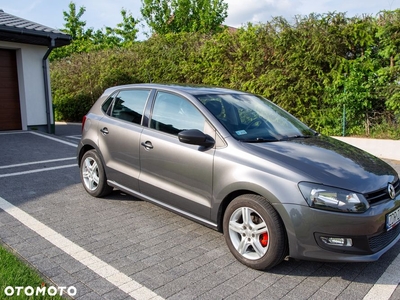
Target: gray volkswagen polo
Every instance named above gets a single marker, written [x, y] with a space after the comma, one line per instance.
[237, 163]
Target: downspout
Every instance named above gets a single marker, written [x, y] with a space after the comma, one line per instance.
[46, 83]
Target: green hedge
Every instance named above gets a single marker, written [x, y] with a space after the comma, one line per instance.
[313, 68]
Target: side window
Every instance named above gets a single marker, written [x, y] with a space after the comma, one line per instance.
[172, 114]
[129, 105]
[106, 107]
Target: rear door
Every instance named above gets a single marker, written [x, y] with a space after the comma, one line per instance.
[176, 174]
[119, 136]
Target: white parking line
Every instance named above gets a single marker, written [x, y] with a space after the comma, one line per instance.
[78, 137]
[112, 275]
[387, 283]
[37, 170]
[42, 169]
[53, 138]
[36, 162]
[12, 132]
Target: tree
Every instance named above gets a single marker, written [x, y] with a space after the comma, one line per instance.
[127, 28]
[123, 35]
[389, 50]
[73, 24]
[86, 40]
[75, 27]
[174, 16]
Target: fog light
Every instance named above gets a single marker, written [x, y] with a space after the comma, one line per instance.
[337, 241]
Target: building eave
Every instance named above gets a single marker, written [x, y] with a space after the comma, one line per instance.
[18, 30]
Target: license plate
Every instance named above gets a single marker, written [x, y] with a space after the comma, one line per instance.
[392, 219]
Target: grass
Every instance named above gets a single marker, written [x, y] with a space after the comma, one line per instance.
[16, 273]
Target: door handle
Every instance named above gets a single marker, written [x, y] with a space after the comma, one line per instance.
[104, 130]
[147, 145]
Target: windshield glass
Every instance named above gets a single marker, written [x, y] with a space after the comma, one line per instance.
[250, 118]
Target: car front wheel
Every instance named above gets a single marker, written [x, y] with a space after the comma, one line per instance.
[254, 232]
[93, 176]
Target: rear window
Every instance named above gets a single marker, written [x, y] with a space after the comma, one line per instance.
[127, 105]
[106, 107]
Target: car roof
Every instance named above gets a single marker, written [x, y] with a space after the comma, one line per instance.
[185, 88]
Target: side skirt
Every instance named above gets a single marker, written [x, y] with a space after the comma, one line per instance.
[163, 205]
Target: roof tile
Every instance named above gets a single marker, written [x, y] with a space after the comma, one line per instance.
[13, 28]
[12, 21]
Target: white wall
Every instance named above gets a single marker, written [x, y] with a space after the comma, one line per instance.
[31, 83]
[389, 149]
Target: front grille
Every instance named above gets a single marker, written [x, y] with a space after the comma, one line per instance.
[382, 194]
[379, 242]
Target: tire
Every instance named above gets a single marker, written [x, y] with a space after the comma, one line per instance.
[259, 239]
[93, 177]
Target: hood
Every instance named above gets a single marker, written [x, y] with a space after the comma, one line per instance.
[328, 161]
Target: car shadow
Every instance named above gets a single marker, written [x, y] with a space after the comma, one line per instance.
[118, 195]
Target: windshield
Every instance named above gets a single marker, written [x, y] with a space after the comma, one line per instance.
[250, 118]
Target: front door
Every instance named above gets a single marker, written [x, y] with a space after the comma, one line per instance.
[176, 174]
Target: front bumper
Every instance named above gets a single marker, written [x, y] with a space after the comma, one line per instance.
[370, 239]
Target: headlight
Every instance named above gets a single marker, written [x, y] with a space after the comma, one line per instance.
[330, 198]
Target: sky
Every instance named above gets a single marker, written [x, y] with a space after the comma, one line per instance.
[101, 13]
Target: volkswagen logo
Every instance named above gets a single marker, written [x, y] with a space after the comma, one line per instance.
[391, 191]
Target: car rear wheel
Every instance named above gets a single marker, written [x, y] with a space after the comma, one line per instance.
[254, 232]
[93, 176]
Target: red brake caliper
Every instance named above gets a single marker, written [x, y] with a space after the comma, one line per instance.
[264, 239]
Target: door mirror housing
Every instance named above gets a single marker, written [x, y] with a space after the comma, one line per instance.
[196, 137]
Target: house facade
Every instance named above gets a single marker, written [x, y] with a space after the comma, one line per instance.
[25, 92]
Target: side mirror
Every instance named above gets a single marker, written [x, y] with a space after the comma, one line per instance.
[195, 137]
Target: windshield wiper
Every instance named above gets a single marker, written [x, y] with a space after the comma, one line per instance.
[260, 140]
[284, 138]
[298, 137]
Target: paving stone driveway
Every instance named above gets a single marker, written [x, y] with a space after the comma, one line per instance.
[169, 255]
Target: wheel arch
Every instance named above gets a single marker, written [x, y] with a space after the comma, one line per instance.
[225, 202]
[236, 193]
[82, 152]
[85, 147]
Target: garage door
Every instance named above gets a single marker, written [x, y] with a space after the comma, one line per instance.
[10, 112]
